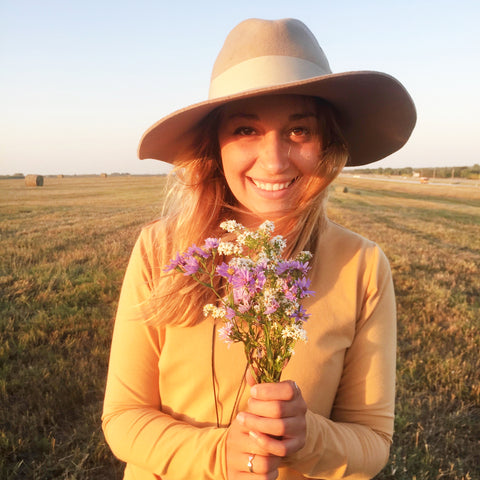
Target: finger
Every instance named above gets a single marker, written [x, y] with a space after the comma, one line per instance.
[260, 464]
[286, 390]
[279, 427]
[277, 408]
[239, 439]
[298, 392]
[278, 447]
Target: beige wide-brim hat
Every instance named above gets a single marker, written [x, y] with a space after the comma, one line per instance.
[263, 57]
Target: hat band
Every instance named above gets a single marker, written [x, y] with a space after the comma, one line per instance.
[262, 72]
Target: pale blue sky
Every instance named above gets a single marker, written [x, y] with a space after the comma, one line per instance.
[81, 80]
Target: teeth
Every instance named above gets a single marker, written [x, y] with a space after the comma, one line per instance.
[271, 187]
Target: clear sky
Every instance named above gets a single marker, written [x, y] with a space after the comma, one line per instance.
[81, 80]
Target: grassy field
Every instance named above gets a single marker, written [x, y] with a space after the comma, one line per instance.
[64, 250]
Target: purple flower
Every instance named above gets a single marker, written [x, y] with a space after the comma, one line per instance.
[230, 313]
[283, 267]
[242, 278]
[174, 263]
[271, 307]
[243, 307]
[226, 271]
[289, 265]
[190, 265]
[288, 290]
[301, 314]
[211, 243]
[225, 332]
[290, 295]
[242, 296]
[260, 279]
[303, 284]
[194, 250]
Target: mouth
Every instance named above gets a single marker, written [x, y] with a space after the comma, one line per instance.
[273, 187]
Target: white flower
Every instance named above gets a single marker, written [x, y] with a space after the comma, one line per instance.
[278, 243]
[295, 332]
[291, 308]
[229, 248]
[241, 262]
[241, 238]
[215, 312]
[304, 256]
[266, 227]
[230, 225]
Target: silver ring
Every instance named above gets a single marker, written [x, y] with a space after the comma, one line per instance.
[250, 462]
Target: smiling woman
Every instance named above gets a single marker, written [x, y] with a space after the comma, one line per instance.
[277, 129]
[272, 148]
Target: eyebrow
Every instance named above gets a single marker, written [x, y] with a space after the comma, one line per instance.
[301, 116]
[248, 116]
[252, 116]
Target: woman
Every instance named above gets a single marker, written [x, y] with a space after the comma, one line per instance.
[277, 129]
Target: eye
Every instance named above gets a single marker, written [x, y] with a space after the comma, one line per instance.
[244, 131]
[299, 132]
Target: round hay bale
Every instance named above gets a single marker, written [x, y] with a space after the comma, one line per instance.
[34, 181]
[60, 176]
[103, 175]
[345, 189]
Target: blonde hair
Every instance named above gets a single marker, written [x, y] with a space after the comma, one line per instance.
[200, 200]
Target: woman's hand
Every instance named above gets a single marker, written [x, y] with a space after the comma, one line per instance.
[276, 417]
[241, 447]
[273, 427]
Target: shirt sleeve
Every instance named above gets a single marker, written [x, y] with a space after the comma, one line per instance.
[354, 442]
[133, 423]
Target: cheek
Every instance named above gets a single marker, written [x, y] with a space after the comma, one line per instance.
[231, 167]
[234, 158]
[307, 159]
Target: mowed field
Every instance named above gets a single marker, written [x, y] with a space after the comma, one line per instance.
[64, 249]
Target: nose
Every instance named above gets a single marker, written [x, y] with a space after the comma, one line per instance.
[274, 153]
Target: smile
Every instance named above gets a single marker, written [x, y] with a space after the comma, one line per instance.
[272, 187]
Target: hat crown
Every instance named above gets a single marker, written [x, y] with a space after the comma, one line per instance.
[263, 53]
[255, 37]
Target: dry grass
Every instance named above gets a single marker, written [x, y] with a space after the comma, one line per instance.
[432, 238]
[65, 248]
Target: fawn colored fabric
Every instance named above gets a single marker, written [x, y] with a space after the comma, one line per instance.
[159, 412]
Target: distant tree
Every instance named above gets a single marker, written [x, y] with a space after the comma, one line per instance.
[472, 172]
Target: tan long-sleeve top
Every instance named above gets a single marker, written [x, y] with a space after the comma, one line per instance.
[159, 412]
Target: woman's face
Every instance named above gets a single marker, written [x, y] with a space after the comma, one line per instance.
[267, 144]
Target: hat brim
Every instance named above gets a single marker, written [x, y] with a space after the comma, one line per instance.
[375, 113]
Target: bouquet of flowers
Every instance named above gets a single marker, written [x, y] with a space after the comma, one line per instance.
[259, 300]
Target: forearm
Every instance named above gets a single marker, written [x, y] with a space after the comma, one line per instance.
[335, 450]
[162, 445]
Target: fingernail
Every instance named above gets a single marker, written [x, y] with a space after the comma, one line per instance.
[253, 391]
[241, 418]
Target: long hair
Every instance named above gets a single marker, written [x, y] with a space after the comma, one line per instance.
[200, 199]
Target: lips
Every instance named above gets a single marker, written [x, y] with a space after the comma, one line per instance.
[272, 187]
